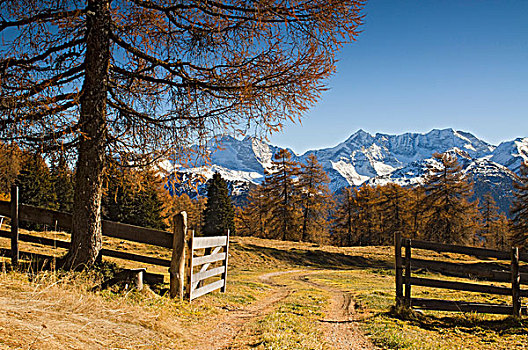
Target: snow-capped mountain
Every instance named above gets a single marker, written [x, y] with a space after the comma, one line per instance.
[376, 159]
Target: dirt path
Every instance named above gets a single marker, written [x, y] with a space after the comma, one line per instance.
[340, 324]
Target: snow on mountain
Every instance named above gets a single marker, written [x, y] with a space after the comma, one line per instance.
[375, 159]
[511, 154]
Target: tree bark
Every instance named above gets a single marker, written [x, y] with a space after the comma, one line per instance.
[86, 225]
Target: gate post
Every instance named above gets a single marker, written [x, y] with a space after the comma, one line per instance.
[399, 268]
[177, 267]
[14, 225]
[515, 281]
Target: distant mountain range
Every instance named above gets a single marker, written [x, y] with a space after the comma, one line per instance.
[376, 159]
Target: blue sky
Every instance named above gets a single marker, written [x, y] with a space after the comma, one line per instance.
[424, 64]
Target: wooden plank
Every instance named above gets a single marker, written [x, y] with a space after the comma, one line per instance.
[208, 288]
[204, 267]
[209, 242]
[188, 288]
[450, 248]
[45, 216]
[137, 234]
[135, 257]
[5, 208]
[460, 306]
[466, 270]
[177, 264]
[468, 287]
[40, 240]
[197, 261]
[199, 276]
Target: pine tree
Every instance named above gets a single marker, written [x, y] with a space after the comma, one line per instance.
[450, 217]
[282, 197]
[519, 210]
[489, 215]
[219, 213]
[35, 182]
[62, 180]
[315, 200]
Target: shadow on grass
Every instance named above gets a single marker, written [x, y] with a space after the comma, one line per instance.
[318, 258]
[463, 322]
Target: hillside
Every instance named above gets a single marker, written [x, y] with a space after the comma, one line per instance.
[281, 295]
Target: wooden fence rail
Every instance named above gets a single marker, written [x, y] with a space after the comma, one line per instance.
[509, 274]
[178, 242]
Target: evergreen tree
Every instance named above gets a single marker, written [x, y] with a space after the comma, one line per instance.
[62, 181]
[282, 197]
[450, 217]
[35, 182]
[315, 200]
[519, 209]
[219, 213]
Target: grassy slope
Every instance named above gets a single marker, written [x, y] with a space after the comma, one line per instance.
[50, 309]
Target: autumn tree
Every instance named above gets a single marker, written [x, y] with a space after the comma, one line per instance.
[219, 213]
[10, 164]
[282, 197]
[394, 204]
[450, 216]
[252, 219]
[519, 210]
[152, 76]
[315, 200]
[63, 185]
[345, 217]
[194, 207]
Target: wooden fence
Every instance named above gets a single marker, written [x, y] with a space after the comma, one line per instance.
[408, 263]
[176, 241]
[216, 250]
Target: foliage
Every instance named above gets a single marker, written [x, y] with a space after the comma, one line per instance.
[133, 197]
[519, 209]
[449, 216]
[10, 165]
[219, 213]
[35, 182]
[153, 78]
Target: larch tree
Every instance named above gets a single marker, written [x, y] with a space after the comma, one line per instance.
[450, 216]
[282, 197]
[394, 204]
[489, 215]
[253, 218]
[315, 200]
[519, 210]
[345, 217]
[156, 76]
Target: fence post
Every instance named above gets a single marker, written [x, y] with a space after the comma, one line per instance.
[190, 252]
[408, 272]
[14, 225]
[515, 281]
[224, 263]
[398, 267]
[177, 267]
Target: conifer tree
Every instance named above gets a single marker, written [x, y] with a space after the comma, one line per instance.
[62, 178]
[282, 191]
[519, 210]
[252, 219]
[219, 213]
[315, 200]
[450, 217]
[345, 217]
[10, 165]
[394, 204]
[193, 207]
[489, 215]
[35, 182]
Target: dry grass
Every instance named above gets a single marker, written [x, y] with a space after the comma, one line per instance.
[53, 311]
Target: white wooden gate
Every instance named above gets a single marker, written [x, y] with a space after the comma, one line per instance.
[204, 266]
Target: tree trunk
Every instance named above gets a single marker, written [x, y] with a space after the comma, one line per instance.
[86, 225]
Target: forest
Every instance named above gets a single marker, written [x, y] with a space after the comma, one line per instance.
[293, 202]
